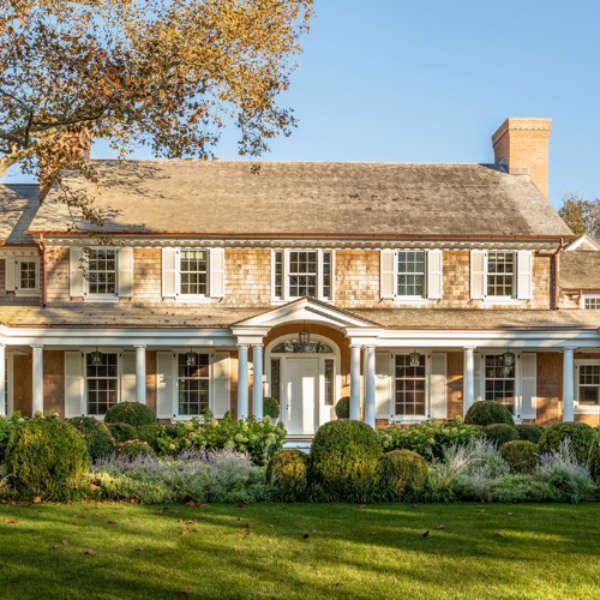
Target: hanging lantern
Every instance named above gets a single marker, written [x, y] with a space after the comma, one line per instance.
[508, 359]
[304, 337]
[414, 359]
[191, 359]
[96, 358]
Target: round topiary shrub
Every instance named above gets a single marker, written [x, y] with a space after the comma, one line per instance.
[134, 448]
[150, 434]
[46, 457]
[122, 432]
[271, 407]
[594, 462]
[345, 461]
[342, 408]
[500, 433]
[402, 472]
[488, 412]
[521, 455]
[288, 472]
[582, 437]
[133, 413]
[530, 432]
[96, 436]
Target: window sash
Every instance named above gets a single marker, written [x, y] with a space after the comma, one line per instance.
[499, 385]
[102, 383]
[193, 385]
[591, 302]
[501, 274]
[411, 273]
[102, 272]
[27, 275]
[298, 273]
[410, 389]
[193, 271]
[588, 384]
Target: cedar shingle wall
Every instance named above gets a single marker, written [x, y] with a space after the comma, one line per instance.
[454, 384]
[9, 298]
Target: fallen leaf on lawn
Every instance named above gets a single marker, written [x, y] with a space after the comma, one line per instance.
[482, 510]
[190, 522]
[241, 504]
[185, 591]
[139, 549]
[305, 536]
[65, 542]
[173, 511]
[111, 522]
[500, 534]
[196, 529]
[426, 533]
[237, 549]
[90, 552]
[160, 512]
[11, 520]
[56, 546]
[190, 503]
[441, 527]
[509, 513]
[184, 532]
[37, 500]
[271, 526]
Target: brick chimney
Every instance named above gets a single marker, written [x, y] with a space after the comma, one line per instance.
[522, 145]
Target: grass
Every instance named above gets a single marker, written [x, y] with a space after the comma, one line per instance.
[300, 551]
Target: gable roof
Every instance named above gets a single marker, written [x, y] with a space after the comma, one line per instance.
[18, 205]
[579, 269]
[304, 198]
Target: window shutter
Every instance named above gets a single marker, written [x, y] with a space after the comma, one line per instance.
[478, 363]
[437, 386]
[128, 382]
[477, 274]
[76, 267]
[386, 273]
[383, 386]
[434, 274]
[220, 384]
[165, 385]
[524, 269]
[216, 264]
[10, 274]
[169, 272]
[528, 384]
[74, 401]
[125, 260]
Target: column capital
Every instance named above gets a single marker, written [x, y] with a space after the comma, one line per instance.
[37, 345]
[140, 346]
[469, 347]
[257, 344]
[569, 348]
[243, 345]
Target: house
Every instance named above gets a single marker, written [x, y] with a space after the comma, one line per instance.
[415, 289]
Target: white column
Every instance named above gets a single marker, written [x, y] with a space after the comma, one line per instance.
[37, 394]
[242, 391]
[3, 406]
[140, 374]
[370, 386]
[568, 384]
[257, 383]
[10, 384]
[355, 383]
[469, 378]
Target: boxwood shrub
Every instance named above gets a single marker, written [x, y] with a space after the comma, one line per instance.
[122, 432]
[500, 433]
[403, 473]
[133, 413]
[345, 462]
[289, 474]
[594, 462]
[582, 437]
[46, 457]
[487, 412]
[342, 408]
[131, 449]
[271, 407]
[6, 428]
[530, 432]
[150, 434]
[96, 436]
[521, 455]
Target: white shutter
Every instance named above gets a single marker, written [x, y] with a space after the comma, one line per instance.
[386, 273]
[524, 269]
[76, 268]
[478, 274]
[220, 384]
[128, 381]
[125, 260]
[74, 401]
[169, 272]
[434, 274]
[479, 362]
[383, 386]
[216, 264]
[437, 386]
[10, 273]
[165, 385]
[528, 385]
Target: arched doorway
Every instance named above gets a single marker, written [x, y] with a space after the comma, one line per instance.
[304, 374]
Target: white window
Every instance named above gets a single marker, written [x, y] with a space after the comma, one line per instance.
[193, 273]
[102, 381]
[500, 274]
[26, 277]
[298, 273]
[193, 377]
[500, 379]
[102, 272]
[587, 385]
[410, 385]
[591, 302]
[411, 268]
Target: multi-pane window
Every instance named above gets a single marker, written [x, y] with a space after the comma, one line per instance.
[193, 375]
[591, 302]
[500, 379]
[501, 274]
[329, 382]
[326, 275]
[411, 273]
[589, 385]
[276, 378]
[278, 274]
[27, 275]
[102, 379]
[193, 272]
[102, 271]
[303, 273]
[298, 273]
[410, 385]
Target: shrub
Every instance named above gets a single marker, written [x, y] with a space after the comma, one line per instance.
[488, 412]
[47, 458]
[6, 428]
[271, 407]
[131, 449]
[342, 408]
[581, 435]
[428, 438]
[133, 413]
[344, 461]
[122, 432]
[288, 472]
[594, 462]
[150, 434]
[402, 472]
[500, 433]
[96, 435]
[522, 456]
[530, 432]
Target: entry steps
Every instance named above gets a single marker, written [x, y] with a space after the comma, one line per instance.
[302, 444]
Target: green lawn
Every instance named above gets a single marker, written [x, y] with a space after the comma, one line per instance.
[300, 551]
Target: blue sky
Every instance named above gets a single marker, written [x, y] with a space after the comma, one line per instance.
[400, 81]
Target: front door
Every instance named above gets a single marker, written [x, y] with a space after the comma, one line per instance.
[300, 395]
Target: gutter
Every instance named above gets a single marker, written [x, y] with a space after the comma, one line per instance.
[556, 269]
[44, 271]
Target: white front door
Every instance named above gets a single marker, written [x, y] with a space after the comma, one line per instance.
[301, 379]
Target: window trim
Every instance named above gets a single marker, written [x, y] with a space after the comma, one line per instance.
[84, 355]
[101, 297]
[585, 297]
[191, 297]
[19, 291]
[412, 299]
[178, 416]
[513, 299]
[585, 408]
[396, 418]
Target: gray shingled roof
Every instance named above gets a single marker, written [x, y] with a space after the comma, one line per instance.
[214, 197]
[579, 269]
[18, 204]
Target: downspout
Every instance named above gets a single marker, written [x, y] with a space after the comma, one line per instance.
[44, 271]
[555, 268]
